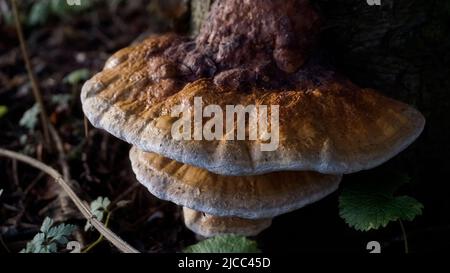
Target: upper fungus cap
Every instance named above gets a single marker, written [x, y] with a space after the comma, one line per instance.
[331, 127]
[249, 53]
[249, 197]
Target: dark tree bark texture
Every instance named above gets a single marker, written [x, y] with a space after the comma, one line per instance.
[400, 48]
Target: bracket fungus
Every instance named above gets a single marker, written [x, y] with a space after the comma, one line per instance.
[247, 53]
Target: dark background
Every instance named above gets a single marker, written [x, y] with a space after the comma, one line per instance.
[400, 48]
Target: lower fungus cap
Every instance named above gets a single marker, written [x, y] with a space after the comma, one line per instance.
[249, 197]
[209, 225]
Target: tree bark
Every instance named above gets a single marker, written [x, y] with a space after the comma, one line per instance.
[401, 49]
[199, 12]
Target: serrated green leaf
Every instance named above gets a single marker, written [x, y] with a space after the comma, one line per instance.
[372, 204]
[48, 222]
[77, 76]
[61, 233]
[224, 244]
[49, 238]
[3, 110]
[39, 249]
[100, 204]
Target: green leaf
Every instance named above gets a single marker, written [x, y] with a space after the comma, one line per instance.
[98, 208]
[61, 233]
[77, 76]
[28, 248]
[36, 244]
[30, 117]
[39, 13]
[50, 237]
[3, 110]
[372, 204]
[46, 225]
[224, 244]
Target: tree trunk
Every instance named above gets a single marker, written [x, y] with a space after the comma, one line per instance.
[199, 12]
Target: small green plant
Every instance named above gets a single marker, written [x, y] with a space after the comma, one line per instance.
[50, 238]
[99, 208]
[373, 204]
[224, 244]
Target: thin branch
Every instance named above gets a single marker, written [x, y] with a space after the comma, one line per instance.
[34, 86]
[109, 235]
[66, 206]
[61, 153]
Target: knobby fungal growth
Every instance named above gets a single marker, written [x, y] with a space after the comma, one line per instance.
[250, 42]
[247, 53]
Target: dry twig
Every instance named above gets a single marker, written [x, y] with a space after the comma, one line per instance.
[108, 234]
[34, 86]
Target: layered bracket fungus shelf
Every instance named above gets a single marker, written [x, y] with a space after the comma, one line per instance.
[247, 53]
